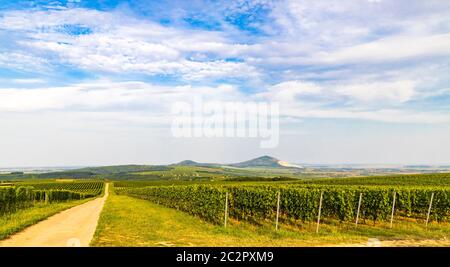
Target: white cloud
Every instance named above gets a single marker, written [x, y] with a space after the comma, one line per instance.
[319, 33]
[290, 91]
[358, 32]
[397, 91]
[314, 39]
[104, 95]
[297, 87]
[389, 49]
[121, 44]
[375, 101]
[27, 81]
[141, 103]
[23, 61]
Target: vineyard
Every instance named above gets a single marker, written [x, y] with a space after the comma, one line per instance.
[431, 179]
[19, 196]
[300, 202]
[86, 187]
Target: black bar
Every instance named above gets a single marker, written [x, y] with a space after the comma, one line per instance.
[223, 256]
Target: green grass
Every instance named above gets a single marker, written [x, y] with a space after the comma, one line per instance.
[11, 224]
[127, 221]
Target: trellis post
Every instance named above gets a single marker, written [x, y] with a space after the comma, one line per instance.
[226, 210]
[320, 210]
[393, 209]
[429, 209]
[359, 208]
[278, 211]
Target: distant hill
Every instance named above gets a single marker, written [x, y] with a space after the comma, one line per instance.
[261, 162]
[264, 161]
[195, 164]
[186, 163]
[123, 169]
[271, 167]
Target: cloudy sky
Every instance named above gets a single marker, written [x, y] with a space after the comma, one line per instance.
[92, 82]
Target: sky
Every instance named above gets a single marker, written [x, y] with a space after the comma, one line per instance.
[92, 82]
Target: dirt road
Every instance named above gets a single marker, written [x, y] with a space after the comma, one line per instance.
[72, 227]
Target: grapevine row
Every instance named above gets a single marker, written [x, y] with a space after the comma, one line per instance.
[20, 197]
[253, 203]
[90, 187]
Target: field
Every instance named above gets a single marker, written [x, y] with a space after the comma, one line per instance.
[128, 221]
[433, 179]
[302, 201]
[193, 213]
[85, 187]
[24, 203]
[15, 222]
[210, 210]
[200, 172]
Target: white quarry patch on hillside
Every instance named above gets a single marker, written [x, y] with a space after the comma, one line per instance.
[287, 164]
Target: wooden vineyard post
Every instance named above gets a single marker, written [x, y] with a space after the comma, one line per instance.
[226, 210]
[320, 209]
[46, 198]
[429, 209]
[359, 208]
[278, 211]
[393, 209]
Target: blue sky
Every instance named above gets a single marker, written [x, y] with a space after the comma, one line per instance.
[361, 81]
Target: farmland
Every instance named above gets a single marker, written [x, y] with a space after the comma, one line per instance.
[205, 207]
[25, 203]
[130, 221]
[19, 220]
[84, 187]
[19, 195]
[250, 209]
[192, 171]
[299, 202]
[433, 179]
